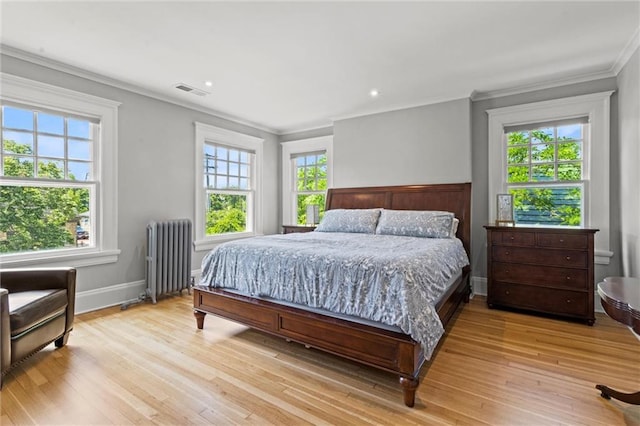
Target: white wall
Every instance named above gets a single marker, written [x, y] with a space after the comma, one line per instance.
[155, 177]
[427, 144]
[628, 174]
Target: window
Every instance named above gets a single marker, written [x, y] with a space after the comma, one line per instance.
[48, 187]
[227, 185]
[545, 165]
[306, 176]
[553, 156]
[57, 176]
[311, 185]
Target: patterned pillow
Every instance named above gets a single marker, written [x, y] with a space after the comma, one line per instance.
[416, 223]
[361, 221]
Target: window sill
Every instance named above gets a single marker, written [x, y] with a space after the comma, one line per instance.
[74, 258]
[211, 242]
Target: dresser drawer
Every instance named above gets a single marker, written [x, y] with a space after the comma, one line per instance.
[552, 301]
[580, 242]
[540, 275]
[532, 256]
[514, 238]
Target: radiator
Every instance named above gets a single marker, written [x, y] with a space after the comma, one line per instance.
[168, 257]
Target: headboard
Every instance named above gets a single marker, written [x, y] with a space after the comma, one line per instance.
[451, 197]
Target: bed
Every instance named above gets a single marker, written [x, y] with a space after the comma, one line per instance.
[369, 342]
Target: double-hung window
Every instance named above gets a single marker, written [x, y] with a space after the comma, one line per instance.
[48, 191]
[310, 185]
[306, 171]
[546, 173]
[58, 200]
[553, 157]
[228, 185]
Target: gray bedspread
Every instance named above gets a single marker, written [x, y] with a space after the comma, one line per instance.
[389, 279]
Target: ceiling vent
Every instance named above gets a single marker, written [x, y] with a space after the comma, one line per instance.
[190, 89]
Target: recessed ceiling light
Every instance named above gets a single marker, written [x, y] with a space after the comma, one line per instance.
[208, 83]
[374, 93]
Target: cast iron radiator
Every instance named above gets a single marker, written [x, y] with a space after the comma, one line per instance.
[168, 257]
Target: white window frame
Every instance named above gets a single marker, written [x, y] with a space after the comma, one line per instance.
[207, 133]
[105, 203]
[596, 155]
[289, 178]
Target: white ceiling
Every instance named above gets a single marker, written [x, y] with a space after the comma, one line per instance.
[288, 66]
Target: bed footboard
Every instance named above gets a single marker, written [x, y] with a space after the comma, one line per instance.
[387, 350]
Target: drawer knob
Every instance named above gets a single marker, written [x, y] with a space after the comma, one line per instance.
[506, 292]
[506, 253]
[568, 258]
[568, 278]
[568, 300]
[562, 240]
[512, 238]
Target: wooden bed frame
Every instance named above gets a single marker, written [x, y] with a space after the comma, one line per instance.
[387, 350]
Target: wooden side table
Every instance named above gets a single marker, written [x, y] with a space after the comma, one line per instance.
[621, 301]
[290, 229]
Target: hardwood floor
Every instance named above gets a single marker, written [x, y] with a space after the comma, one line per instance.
[138, 366]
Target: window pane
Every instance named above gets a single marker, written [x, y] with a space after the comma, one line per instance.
[570, 171]
[48, 123]
[234, 169]
[226, 213]
[518, 174]
[234, 155]
[306, 200]
[244, 183]
[542, 135]
[17, 142]
[570, 151]
[221, 167]
[16, 118]
[79, 170]
[78, 128]
[548, 206]
[244, 171]
[573, 131]
[53, 169]
[542, 172]
[542, 153]
[244, 157]
[517, 138]
[517, 155]
[18, 166]
[234, 183]
[37, 218]
[222, 153]
[79, 150]
[50, 146]
[222, 182]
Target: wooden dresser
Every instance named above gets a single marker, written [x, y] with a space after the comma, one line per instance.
[546, 270]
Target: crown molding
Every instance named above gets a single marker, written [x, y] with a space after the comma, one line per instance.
[624, 56]
[549, 84]
[99, 78]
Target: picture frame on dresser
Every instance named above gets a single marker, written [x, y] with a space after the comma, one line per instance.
[504, 204]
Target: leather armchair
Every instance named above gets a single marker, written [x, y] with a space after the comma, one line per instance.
[36, 308]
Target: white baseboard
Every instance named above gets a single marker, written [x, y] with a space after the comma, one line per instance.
[479, 286]
[92, 300]
[105, 297]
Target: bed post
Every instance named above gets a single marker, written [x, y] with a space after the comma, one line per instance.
[409, 386]
[199, 318]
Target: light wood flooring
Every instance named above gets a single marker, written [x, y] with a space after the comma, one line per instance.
[150, 365]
